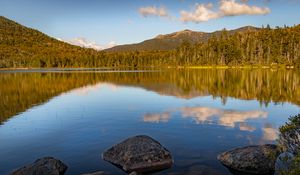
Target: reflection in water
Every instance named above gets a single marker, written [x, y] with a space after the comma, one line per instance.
[21, 91]
[84, 91]
[101, 109]
[156, 118]
[246, 127]
[228, 118]
[269, 133]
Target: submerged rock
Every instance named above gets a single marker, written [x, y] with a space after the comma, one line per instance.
[251, 159]
[284, 163]
[43, 166]
[140, 154]
[289, 142]
[289, 138]
[97, 173]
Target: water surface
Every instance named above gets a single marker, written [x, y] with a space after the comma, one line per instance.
[196, 114]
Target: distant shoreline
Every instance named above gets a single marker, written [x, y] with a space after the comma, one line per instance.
[149, 67]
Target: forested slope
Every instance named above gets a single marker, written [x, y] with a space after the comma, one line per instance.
[25, 47]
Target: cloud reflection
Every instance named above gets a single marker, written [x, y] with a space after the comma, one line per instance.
[157, 118]
[228, 118]
[269, 133]
[246, 127]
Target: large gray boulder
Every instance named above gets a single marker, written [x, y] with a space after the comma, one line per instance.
[43, 166]
[139, 154]
[251, 159]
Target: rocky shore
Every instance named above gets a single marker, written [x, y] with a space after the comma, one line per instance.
[281, 159]
[136, 155]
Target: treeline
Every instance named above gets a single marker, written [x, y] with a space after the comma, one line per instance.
[262, 47]
[25, 47]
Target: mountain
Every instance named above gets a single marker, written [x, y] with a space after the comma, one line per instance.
[82, 42]
[174, 40]
[23, 47]
[20, 44]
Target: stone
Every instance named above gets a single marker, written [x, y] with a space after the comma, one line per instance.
[140, 154]
[97, 173]
[43, 166]
[251, 159]
[284, 163]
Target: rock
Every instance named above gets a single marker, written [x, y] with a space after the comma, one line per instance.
[141, 154]
[97, 173]
[284, 163]
[134, 173]
[43, 166]
[251, 159]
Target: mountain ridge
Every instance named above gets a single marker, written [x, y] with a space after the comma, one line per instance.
[173, 40]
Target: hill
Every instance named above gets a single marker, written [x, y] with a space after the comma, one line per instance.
[20, 44]
[174, 40]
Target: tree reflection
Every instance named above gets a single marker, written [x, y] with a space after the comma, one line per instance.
[21, 91]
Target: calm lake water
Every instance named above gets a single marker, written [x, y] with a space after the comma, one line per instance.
[197, 114]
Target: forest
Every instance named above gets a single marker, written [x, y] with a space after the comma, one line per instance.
[22, 47]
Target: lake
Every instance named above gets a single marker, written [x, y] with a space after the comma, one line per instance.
[75, 115]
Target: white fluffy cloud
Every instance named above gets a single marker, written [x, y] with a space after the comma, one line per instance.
[82, 42]
[233, 8]
[205, 12]
[201, 13]
[153, 11]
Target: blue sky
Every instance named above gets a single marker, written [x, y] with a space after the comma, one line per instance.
[123, 21]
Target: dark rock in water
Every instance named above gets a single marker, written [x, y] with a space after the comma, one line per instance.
[251, 159]
[284, 163]
[140, 154]
[97, 173]
[43, 166]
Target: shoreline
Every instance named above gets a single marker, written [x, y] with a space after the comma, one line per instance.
[140, 68]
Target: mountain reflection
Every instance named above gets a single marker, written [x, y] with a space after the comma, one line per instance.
[84, 91]
[21, 91]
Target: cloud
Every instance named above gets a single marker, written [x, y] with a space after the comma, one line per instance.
[206, 12]
[153, 11]
[82, 42]
[233, 8]
[201, 13]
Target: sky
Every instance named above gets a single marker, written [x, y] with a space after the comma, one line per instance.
[105, 23]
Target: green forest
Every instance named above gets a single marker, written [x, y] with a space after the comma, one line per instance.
[22, 47]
